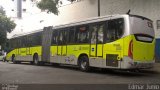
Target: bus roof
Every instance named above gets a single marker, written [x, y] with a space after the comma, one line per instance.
[95, 19]
[28, 33]
[90, 20]
[85, 21]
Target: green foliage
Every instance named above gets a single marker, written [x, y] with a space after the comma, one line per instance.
[6, 25]
[49, 6]
[2, 12]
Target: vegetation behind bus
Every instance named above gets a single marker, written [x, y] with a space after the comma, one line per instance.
[6, 25]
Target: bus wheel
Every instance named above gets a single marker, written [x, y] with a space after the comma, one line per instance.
[31, 62]
[55, 64]
[84, 63]
[13, 59]
[36, 60]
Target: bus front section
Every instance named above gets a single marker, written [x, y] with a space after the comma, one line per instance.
[141, 44]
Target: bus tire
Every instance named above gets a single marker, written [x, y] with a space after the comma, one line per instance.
[55, 64]
[84, 63]
[13, 59]
[31, 62]
[36, 59]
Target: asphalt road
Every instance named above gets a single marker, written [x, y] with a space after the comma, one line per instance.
[30, 74]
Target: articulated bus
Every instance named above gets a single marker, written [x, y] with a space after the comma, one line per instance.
[116, 42]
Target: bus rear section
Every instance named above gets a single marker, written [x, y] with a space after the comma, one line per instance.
[141, 44]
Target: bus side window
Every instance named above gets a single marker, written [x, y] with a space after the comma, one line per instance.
[65, 32]
[36, 39]
[62, 37]
[100, 33]
[93, 34]
[97, 34]
[54, 37]
[82, 33]
[71, 35]
[14, 43]
[19, 42]
[30, 40]
[114, 30]
[23, 40]
[27, 41]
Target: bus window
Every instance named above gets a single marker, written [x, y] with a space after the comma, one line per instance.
[60, 40]
[142, 29]
[12, 43]
[114, 30]
[100, 34]
[23, 40]
[54, 37]
[65, 36]
[93, 34]
[19, 43]
[30, 41]
[15, 42]
[71, 35]
[82, 33]
[62, 37]
[36, 39]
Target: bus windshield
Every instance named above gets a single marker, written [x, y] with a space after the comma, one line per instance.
[142, 28]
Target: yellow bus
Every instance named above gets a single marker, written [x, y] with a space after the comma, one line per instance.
[116, 42]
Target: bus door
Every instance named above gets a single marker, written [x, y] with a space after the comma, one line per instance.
[62, 47]
[96, 44]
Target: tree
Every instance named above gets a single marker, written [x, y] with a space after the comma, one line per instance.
[6, 25]
[50, 5]
[2, 11]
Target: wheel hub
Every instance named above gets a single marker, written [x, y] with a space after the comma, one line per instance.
[83, 64]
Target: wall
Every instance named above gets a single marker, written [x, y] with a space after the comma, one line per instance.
[147, 8]
[89, 8]
[77, 11]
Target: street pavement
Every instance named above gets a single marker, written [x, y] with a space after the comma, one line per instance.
[31, 74]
